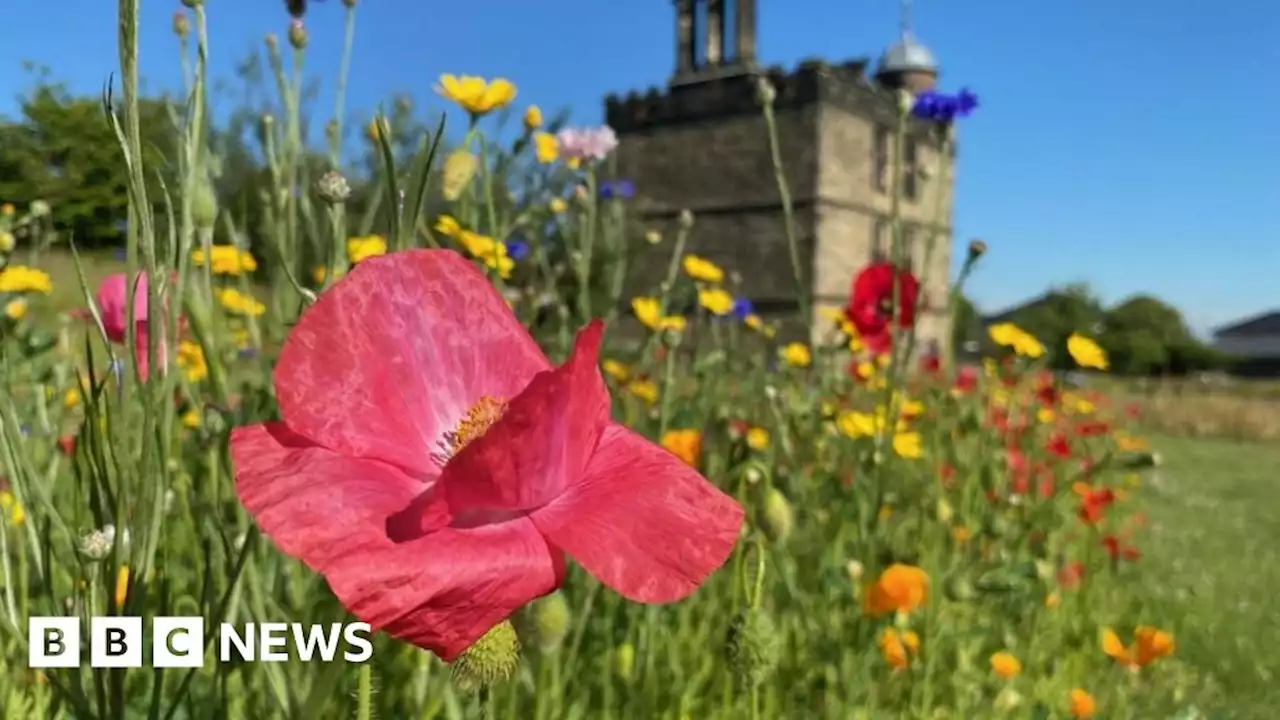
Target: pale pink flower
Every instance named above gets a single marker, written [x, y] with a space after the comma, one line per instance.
[587, 143]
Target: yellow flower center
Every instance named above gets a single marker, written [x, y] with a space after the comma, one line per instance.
[475, 422]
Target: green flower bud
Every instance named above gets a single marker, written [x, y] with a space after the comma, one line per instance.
[459, 170]
[753, 646]
[491, 660]
[204, 206]
[624, 662]
[297, 34]
[945, 513]
[333, 188]
[544, 622]
[777, 519]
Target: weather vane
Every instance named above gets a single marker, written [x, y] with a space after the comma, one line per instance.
[907, 11]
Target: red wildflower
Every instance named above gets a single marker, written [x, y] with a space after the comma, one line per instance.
[112, 300]
[1058, 445]
[870, 306]
[1092, 428]
[1046, 389]
[931, 364]
[1118, 550]
[1071, 574]
[966, 379]
[67, 444]
[1093, 502]
[436, 468]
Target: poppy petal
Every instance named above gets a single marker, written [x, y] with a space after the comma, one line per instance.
[643, 522]
[543, 442]
[441, 592]
[538, 448]
[391, 357]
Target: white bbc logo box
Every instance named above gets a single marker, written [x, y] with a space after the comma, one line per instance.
[115, 642]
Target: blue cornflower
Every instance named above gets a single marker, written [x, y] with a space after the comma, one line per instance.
[742, 308]
[517, 249]
[122, 254]
[944, 108]
[617, 190]
[25, 430]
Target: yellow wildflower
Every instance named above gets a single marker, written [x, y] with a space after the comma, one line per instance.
[532, 118]
[856, 424]
[22, 279]
[558, 205]
[489, 251]
[716, 301]
[361, 248]
[907, 445]
[71, 398]
[1045, 415]
[1053, 600]
[9, 506]
[7, 210]
[546, 148]
[1020, 341]
[448, 226]
[797, 355]
[238, 303]
[646, 390]
[190, 358]
[379, 127]
[7, 242]
[191, 419]
[685, 444]
[1005, 665]
[15, 309]
[226, 260]
[618, 371]
[1086, 352]
[648, 311]
[702, 269]
[475, 94]
[757, 438]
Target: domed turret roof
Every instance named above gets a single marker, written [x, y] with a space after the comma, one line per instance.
[907, 55]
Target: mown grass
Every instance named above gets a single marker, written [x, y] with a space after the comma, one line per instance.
[1214, 547]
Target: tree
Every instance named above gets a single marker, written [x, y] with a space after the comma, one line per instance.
[1145, 335]
[64, 151]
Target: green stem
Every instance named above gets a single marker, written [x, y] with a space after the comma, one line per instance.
[364, 692]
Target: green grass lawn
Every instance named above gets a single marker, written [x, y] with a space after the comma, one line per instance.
[1213, 554]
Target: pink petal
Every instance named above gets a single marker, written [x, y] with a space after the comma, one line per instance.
[390, 358]
[442, 591]
[538, 449]
[112, 297]
[643, 522]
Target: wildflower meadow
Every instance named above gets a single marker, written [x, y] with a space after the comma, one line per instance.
[423, 397]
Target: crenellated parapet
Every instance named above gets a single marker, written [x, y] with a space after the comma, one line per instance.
[712, 96]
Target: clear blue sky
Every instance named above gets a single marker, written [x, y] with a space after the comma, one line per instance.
[1133, 145]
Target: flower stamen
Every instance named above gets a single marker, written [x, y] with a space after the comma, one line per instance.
[475, 422]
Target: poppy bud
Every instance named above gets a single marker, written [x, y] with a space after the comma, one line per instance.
[297, 34]
[544, 622]
[204, 206]
[686, 219]
[777, 519]
[765, 92]
[752, 648]
[492, 659]
[624, 662]
[977, 248]
[181, 26]
[459, 169]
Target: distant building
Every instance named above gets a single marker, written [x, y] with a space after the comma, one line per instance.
[701, 143]
[1253, 343]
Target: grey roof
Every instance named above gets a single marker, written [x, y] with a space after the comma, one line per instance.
[907, 56]
[1267, 323]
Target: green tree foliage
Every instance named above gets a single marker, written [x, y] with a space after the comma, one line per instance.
[966, 324]
[1058, 314]
[63, 150]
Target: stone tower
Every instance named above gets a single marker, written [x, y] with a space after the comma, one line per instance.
[702, 144]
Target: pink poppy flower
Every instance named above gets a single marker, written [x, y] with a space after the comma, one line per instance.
[436, 468]
[112, 299]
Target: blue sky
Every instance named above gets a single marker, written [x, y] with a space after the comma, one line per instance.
[1133, 145]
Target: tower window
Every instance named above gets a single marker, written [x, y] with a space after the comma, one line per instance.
[910, 169]
[880, 158]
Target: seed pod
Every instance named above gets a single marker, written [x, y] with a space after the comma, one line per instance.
[777, 519]
[624, 662]
[459, 169]
[544, 622]
[491, 660]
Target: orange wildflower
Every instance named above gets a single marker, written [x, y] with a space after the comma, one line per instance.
[1149, 644]
[900, 588]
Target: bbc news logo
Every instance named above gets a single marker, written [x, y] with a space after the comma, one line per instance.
[179, 642]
